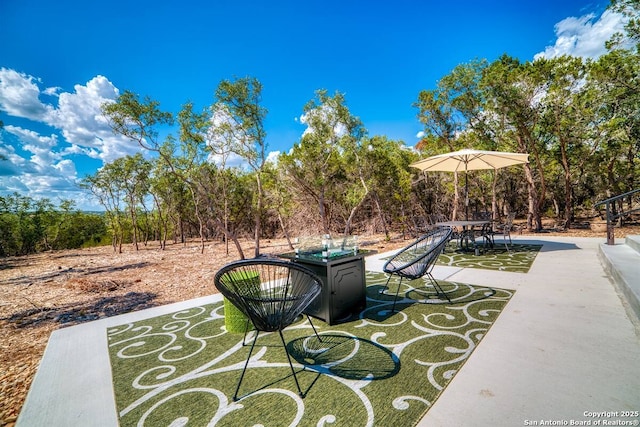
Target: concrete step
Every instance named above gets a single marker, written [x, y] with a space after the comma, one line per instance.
[633, 242]
[622, 262]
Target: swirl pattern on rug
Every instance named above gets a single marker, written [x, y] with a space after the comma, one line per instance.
[518, 259]
[378, 368]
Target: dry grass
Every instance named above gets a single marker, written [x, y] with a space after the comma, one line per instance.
[43, 292]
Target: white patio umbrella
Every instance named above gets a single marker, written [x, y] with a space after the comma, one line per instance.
[468, 160]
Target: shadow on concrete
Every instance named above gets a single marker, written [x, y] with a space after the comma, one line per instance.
[548, 246]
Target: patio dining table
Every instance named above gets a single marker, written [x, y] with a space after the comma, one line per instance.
[466, 238]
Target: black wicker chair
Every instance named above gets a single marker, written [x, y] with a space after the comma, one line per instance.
[417, 260]
[271, 293]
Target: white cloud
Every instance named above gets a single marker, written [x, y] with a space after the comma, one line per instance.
[76, 150]
[272, 157]
[420, 135]
[45, 173]
[584, 36]
[78, 115]
[13, 163]
[20, 96]
[32, 138]
[14, 184]
[66, 167]
[38, 164]
[52, 91]
[80, 118]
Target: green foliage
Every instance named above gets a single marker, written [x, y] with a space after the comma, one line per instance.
[578, 121]
[28, 226]
[631, 8]
[81, 229]
[137, 120]
[244, 118]
[326, 165]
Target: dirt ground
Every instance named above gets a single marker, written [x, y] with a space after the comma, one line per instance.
[41, 293]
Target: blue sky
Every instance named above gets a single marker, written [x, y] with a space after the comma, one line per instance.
[59, 60]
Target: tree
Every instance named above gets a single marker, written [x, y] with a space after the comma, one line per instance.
[456, 116]
[615, 79]
[630, 8]
[193, 155]
[442, 124]
[388, 178]
[511, 90]
[29, 226]
[105, 186]
[135, 181]
[280, 198]
[169, 197]
[243, 120]
[316, 164]
[566, 122]
[74, 229]
[20, 229]
[139, 121]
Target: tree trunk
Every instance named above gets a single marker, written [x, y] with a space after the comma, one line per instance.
[323, 213]
[534, 222]
[347, 228]
[382, 220]
[258, 225]
[229, 235]
[568, 196]
[456, 197]
[134, 223]
[196, 206]
[284, 231]
[162, 224]
[494, 200]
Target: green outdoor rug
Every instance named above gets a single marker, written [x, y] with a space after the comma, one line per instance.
[379, 369]
[518, 260]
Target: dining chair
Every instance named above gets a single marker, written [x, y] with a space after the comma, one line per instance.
[504, 230]
[272, 294]
[486, 233]
[483, 215]
[417, 260]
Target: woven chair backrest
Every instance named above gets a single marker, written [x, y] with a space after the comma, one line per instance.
[271, 293]
[418, 258]
[507, 225]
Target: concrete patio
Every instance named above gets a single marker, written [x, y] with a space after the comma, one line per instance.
[565, 349]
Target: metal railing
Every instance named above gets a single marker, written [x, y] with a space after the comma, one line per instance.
[615, 210]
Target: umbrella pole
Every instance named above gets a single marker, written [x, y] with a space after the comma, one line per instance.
[466, 193]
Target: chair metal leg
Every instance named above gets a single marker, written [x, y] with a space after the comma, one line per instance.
[467, 240]
[235, 395]
[246, 329]
[386, 285]
[284, 345]
[488, 240]
[396, 297]
[314, 328]
[439, 291]
[504, 236]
